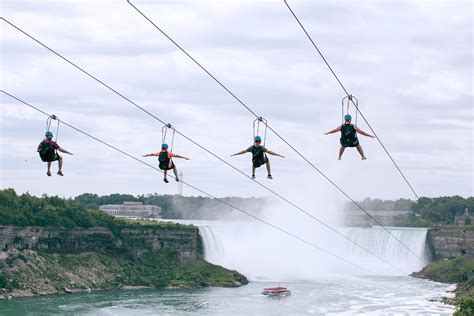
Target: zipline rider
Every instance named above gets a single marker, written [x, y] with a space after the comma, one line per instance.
[349, 136]
[48, 151]
[259, 156]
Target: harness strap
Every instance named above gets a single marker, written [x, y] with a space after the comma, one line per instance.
[49, 122]
[256, 128]
[164, 132]
[350, 99]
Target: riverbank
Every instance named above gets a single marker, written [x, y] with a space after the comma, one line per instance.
[29, 273]
[453, 249]
[458, 270]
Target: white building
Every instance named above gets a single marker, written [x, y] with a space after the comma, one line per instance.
[132, 209]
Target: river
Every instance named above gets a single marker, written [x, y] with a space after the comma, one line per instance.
[320, 284]
[335, 296]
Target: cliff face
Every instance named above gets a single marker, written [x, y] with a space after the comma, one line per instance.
[42, 260]
[457, 245]
[138, 241]
[449, 242]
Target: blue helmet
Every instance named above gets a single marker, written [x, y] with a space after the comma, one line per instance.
[257, 139]
[347, 117]
[48, 134]
[164, 146]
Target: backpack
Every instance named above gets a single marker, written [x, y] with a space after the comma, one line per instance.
[258, 156]
[349, 136]
[165, 162]
[47, 154]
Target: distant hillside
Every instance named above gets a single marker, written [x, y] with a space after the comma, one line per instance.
[180, 207]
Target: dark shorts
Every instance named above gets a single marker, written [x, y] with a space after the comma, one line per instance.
[167, 166]
[354, 144]
[55, 158]
[257, 164]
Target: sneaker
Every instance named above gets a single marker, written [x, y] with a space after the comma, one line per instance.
[60, 173]
[269, 177]
[166, 180]
[364, 158]
[177, 179]
[253, 177]
[48, 173]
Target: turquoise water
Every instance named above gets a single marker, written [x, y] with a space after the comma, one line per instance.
[334, 296]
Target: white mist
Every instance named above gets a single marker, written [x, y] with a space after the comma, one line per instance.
[261, 252]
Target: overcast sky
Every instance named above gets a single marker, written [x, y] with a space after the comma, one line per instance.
[408, 62]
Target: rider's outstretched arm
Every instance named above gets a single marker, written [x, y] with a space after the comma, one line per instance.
[274, 153]
[240, 152]
[152, 154]
[64, 151]
[178, 156]
[337, 129]
[358, 130]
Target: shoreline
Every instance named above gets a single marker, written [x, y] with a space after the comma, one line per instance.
[21, 295]
[457, 271]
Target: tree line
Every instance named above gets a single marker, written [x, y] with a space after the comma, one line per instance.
[179, 207]
[82, 211]
[28, 210]
[424, 212]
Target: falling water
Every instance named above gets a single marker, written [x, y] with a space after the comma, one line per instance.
[263, 253]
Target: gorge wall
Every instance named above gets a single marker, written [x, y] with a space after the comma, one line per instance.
[47, 260]
[451, 241]
[138, 241]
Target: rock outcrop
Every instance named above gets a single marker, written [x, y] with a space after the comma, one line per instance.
[46, 260]
[138, 241]
[451, 241]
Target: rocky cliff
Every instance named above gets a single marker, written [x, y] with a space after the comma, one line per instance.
[44, 260]
[450, 241]
[453, 248]
[137, 241]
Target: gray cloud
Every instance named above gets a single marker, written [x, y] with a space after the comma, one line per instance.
[408, 64]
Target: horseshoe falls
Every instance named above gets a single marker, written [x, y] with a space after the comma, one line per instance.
[263, 253]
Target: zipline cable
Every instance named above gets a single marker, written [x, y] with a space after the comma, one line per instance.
[197, 189]
[277, 134]
[207, 150]
[348, 94]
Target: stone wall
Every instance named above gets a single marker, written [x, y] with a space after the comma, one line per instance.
[138, 241]
[449, 242]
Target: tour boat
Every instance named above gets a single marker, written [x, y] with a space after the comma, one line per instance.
[274, 291]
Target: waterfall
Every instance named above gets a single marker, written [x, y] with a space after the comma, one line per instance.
[213, 247]
[260, 252]
[382, 244]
